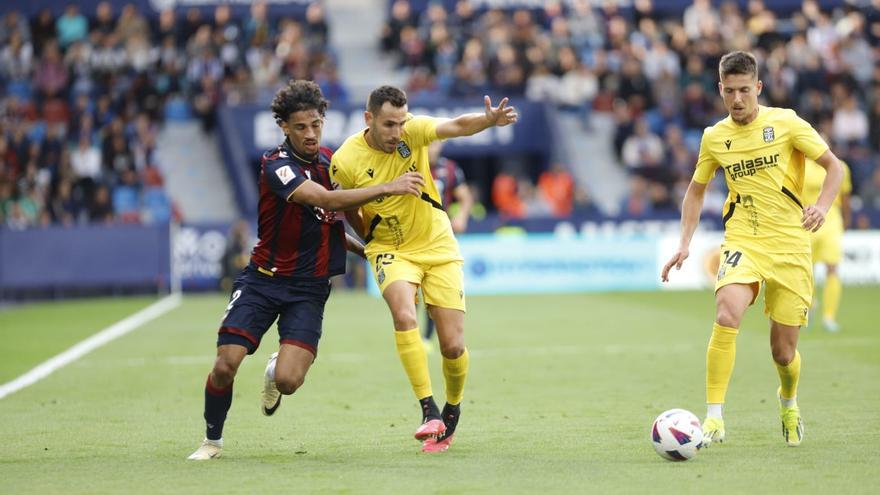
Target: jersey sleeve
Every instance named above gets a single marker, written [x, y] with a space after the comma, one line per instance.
[846, 185]
[283, 177]
[422, 130]
[339, 173]
[706, 163]
[805, 138]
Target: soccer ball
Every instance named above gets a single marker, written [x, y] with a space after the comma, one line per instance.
[676, 435]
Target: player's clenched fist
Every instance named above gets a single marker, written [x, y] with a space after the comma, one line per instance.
[408, 183]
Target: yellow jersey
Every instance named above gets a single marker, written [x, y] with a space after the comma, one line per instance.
[814, 177]
[396, 223]
[763, 164]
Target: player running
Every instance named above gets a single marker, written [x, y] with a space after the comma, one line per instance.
[827, 241]
[301, 245]
[761, 151]
[409, 242]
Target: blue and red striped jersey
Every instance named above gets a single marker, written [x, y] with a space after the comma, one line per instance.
[296, 240]
[447, 176]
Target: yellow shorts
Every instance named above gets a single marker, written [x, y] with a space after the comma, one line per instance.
[439, 272]
[787, 280]
[827, 243]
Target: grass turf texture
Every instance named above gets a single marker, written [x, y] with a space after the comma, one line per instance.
[560, 398]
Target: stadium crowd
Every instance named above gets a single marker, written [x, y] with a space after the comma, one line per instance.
[656, 72]
[85, 93]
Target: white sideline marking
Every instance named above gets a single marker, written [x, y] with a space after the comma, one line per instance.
[88, 345]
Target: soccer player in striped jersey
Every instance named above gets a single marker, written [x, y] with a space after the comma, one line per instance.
[302, 243]
[761, 152]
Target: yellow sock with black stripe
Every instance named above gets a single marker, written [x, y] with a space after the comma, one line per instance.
[455, 373]
[831, 296]
[789, 376]
[720, 357]
[415, 361]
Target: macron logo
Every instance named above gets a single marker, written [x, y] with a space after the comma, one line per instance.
[285, 174]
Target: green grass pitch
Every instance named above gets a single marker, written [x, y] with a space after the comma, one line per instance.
[560, 398]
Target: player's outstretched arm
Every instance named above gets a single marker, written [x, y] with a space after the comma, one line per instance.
[814, 215]
[690, 218]
[472, 123]
[311, 193]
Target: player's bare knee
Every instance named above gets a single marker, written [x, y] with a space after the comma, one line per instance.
[727, 318]
[782, 355]
[288, 384]
[223, 372]
[451, 350]
[404, 320]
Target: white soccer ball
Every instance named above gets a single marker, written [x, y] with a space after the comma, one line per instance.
[676, 435]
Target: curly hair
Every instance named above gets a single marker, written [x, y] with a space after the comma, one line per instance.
[298, 96]
[380, 95]
[738, 63]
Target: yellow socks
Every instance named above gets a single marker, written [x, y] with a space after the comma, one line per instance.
[414, 360]
[788, 376]
[455, 373]
[720, 357]
[831, 297]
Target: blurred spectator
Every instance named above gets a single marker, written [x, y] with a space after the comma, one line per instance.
[86, 160]
[237, 253]
[557, 188]
[643, 148]
[72, 26]
[870, 191]
[506, 198]
[50, 74]
[100, 209]
[849, 124]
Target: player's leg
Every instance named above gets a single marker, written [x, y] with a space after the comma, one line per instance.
[827, 249]
[400, 297]
[456, 361]
[788, 294]
[783, 345]
[285, 374]
[731, 302]
[218, 399]
[248, 315]
[300, 326]
[831, 295]
[443, 287]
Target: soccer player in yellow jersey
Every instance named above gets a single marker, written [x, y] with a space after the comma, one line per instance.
[827, 240]
[761, 152]
[410, 244]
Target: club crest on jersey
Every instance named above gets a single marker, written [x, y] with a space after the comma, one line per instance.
[285, 174]
[769, 135]
[403, 149]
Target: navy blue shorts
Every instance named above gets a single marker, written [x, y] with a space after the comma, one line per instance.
[258, 299]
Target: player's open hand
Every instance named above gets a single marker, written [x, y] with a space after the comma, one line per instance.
[408, 183]
[676, 260]
[813, 218]
[501, 115]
